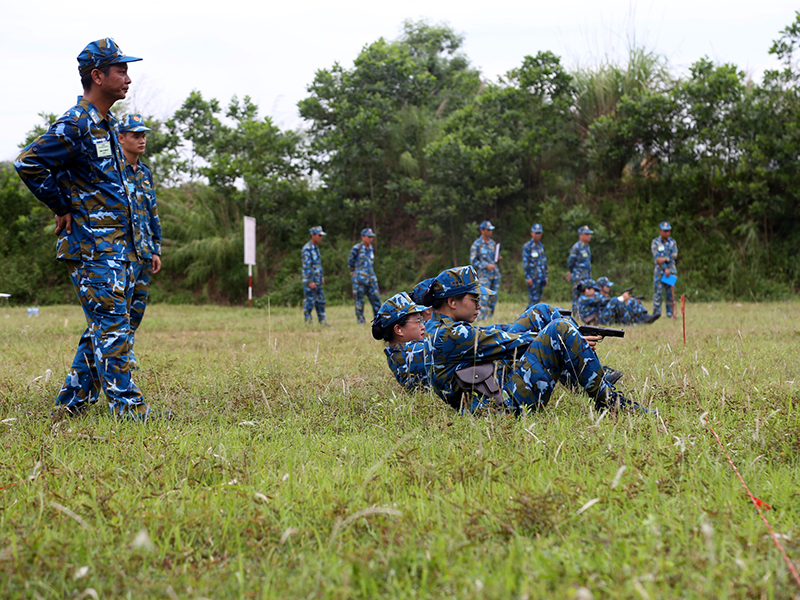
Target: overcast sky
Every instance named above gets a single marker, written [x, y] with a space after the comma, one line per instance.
[271, 51]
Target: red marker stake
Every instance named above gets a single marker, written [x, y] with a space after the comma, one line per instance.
[683, 316]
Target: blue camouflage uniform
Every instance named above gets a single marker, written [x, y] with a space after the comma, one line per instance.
[534, 263]
[624, 312]
[667, 249]
[590, 307]
[365, 282]
[312, 273]
[407, 363]
[76, 168]
[579, 265]
[481, 255]
[406, 360]
[537, 361]
[141, 188]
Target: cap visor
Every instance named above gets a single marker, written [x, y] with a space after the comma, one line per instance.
[125, 59]
[485, 290]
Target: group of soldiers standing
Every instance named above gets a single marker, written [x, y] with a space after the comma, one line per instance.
[591, 300]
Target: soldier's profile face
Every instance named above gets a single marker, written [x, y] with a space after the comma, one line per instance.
[367, 239]
[316, 238]
[536, 236]
[467, 308]
[413, 330]
[115, 84]
[487, 233]
[585, 237]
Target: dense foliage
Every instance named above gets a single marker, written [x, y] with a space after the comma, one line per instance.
[412, 142]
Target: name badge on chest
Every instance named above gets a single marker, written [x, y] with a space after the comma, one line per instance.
[103, 148]
[534, 254]
[584, 254]
[661, 248]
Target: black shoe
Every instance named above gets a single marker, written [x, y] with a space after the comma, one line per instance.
[611, 376]
[616, 402]
[62, 411]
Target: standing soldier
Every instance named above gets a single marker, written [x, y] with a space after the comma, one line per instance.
[313, 278]
[76, 170]
[665, 253]
[362, 274]
[580, 264]
[534, 262]
[483, 256]
[141, 187]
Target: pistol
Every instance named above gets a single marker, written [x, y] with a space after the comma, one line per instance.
[603, 331]
[630, 289]
[565, 312]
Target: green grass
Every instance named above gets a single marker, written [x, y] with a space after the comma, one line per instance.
[296, 467]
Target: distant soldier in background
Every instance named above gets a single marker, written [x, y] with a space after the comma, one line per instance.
[534, 263]
[362, 274]
[483, 256]
[590, 303]
[579, 264]
[633, 311]
[665, 254]
[141, 187]
[313, 278]
[76, 169]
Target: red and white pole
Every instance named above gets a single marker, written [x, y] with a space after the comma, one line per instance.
[250, 288]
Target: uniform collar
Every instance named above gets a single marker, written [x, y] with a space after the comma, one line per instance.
[95, 115]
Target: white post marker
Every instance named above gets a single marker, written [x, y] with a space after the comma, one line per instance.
[250, 254]
[497, 253]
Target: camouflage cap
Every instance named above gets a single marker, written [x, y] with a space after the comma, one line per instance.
[457, 281]
[133, 123]
[486, 225]
[419, 291]
[317, 230]
[395, 308]
[584, 229]
[665, 226]
[603, 281]
[537, 228]
[367, 232]
[101, 53]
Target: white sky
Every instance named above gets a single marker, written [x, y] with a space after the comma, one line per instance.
[271, 51]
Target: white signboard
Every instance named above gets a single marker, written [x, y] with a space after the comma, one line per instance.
[249, 240]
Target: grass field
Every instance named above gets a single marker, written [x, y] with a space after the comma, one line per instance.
[297, 468]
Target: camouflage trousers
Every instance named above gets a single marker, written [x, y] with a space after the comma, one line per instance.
[535, 291]
[141, 292]
[314, 299]
[662, 290]
[369, 289]
[557, 353]
[102, 358]
[491, 280]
